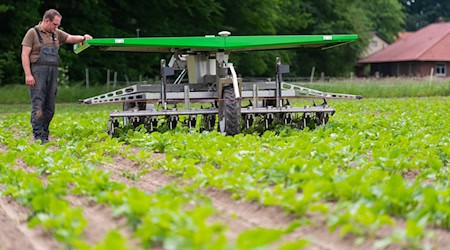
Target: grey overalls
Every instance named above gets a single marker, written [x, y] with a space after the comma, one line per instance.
[43, 94]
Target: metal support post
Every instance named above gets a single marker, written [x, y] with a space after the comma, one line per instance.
[280, 70]
[187, 102]
[278, 83]
[165, 71]
[163, 85]
[255, 96]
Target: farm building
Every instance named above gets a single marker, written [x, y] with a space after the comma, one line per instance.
[424, 52]
[377, 43]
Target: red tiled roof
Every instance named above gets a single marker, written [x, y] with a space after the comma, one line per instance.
[431, 43]
[402, 35]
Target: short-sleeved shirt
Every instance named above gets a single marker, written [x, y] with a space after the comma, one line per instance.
[31, 40]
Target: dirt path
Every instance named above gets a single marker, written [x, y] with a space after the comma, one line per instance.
[101, 221]
[14, 231]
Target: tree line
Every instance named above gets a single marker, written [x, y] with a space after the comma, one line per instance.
[132, 18]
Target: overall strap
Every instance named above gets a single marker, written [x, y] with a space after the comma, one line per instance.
[40, 37]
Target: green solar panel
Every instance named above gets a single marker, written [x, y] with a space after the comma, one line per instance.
[213, 43]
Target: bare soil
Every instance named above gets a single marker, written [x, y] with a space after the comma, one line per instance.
[14, 232]
[101, 221]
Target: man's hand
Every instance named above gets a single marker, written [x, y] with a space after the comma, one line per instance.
[29, 80]
[78, 38]
[87, 36]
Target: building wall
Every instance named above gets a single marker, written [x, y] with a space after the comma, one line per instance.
[382, 69]
[410, 69]
[440, 69]
[425, 68]
[376, 44]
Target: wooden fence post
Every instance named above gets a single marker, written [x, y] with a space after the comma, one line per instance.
[115, 79]
[108, 78]
[311, 79]
[431, 75]
[87, 78]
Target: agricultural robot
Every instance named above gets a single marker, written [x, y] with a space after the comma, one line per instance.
[228, 104]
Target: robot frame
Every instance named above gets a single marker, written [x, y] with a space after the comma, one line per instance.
[213, 79]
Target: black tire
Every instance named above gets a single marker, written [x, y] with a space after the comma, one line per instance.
[230, 115]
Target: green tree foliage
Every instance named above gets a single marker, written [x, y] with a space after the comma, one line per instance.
[423, 12]
[16, 18]
[254, 17]
[388, 18]
[339, 17]
[114, 18]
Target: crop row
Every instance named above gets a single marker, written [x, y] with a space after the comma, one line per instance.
[175, 216]
[377, 163]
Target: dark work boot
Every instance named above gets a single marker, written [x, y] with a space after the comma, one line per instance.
[44, 140]
[44, 137]
[36, 137]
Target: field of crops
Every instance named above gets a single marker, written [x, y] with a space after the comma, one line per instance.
[375, 177]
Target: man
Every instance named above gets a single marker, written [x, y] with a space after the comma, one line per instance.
[40, 64]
